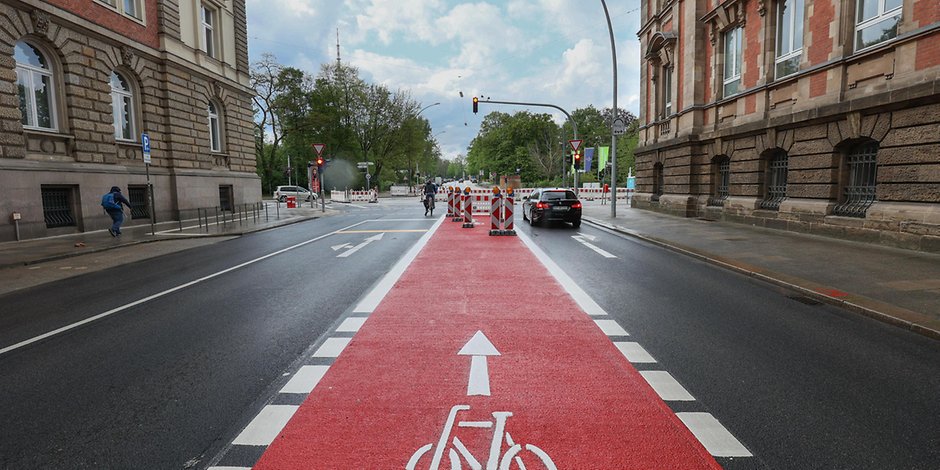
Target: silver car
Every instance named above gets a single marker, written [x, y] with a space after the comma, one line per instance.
[301, 193]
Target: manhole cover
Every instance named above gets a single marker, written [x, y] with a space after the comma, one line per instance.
[803, 299]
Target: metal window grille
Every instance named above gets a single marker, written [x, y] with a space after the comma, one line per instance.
[138, 197]
[776, 182]
[57, 207]
[722, 183]
[859, 192]
[659, 181]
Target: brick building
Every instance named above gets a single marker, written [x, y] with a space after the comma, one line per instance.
[80, 80]
[817, 116]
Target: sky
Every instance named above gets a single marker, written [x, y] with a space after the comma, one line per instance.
[539, 51]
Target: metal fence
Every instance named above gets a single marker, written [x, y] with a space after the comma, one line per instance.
[239, 214]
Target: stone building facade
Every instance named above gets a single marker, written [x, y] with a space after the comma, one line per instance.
[816, 116]
[80, 80]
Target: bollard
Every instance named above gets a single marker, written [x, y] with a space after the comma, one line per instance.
[467, 208]
[450, 202]
[277, 205]
[458, 208]
[265, 210]
[508, 226]
[181, 220]
[206, 214]
[495, 206]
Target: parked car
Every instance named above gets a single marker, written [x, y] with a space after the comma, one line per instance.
[552, 204]
[301, 193]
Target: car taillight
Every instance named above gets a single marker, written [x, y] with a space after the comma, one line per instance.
[542, 205]
[576, 205]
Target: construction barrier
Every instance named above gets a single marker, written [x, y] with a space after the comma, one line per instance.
[468, 209]
[508, 225]
[496, 206]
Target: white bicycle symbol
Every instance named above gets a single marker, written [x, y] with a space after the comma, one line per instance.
[497, 459]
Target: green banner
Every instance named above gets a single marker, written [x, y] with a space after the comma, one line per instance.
[602, 161]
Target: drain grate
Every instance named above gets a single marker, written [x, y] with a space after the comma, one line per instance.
[804, 299]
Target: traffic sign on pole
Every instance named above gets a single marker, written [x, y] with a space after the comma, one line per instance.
[319, 148]
[145, 145]
[619, 128]
[575, 144]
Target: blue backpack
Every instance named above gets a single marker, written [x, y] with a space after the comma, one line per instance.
[108, 202]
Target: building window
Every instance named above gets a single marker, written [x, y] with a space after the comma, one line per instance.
[658, 181]
[721, 175]
[57, 206]
[859, 180]
[789, 37]
[208, 30]
[122, 107]
[776, 181]
[226, 197]
[34, 83]
[732, 76]
[876, 21]
[667, 91]
[215, 135]
[131, 8]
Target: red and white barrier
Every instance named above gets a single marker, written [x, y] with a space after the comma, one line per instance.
[467, 209]
[496, 206]
[508, 225]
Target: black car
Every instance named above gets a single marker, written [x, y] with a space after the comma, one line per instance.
[552, 204]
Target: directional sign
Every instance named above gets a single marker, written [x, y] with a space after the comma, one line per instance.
[319, 148]
[575, 144]
[145, 144]
[619, 127]
[358, 247]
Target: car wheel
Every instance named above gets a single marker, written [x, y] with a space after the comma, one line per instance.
[524, 217]
[532, 219]
[576, 223]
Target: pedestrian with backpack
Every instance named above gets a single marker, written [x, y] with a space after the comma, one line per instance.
[112, 205]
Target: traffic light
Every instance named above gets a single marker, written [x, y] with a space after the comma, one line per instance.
[577, 159]
[319, 163]
[476, 104]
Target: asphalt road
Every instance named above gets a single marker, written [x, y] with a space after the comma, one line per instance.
[801, 386]
[166, 383]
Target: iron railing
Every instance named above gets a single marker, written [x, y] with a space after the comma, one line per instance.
[57, 207]
[859, 193]
[776, 182]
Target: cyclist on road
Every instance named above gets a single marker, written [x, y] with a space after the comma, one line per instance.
[430, 190]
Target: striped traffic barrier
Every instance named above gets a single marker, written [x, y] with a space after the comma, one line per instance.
[495, 206]
[468, 209]
[450, 202]
[508, 226]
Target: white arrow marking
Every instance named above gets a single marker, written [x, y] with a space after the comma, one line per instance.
[359, 246]
[589, 237]
[478, 348]
[601, 252]
[340, 247]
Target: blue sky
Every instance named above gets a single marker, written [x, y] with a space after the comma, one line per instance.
[545, 51]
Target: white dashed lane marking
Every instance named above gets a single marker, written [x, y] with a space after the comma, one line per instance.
[305, 379]
[716, 439]
[634, 353]
[666, 386]
[265, 427]
[351, 324]
[332, 347]
[611, 328]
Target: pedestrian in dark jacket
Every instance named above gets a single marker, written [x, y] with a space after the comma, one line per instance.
[112, 203]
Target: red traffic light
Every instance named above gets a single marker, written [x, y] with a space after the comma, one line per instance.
[319, 161]
[476, 104]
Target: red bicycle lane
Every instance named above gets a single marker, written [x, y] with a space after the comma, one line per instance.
[540, 382]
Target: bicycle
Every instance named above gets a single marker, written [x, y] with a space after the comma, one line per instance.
[429, 204]
[497, 460]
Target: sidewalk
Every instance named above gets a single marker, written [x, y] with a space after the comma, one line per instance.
[40, 250]
[896, 286]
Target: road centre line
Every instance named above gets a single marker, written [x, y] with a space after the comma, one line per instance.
[369, 303]
[166, 292]
[577, 293]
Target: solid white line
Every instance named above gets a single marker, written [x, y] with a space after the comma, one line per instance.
[668, 388]
[266, 426]
[611, 328]
[596, 249]
[305, 380]
[634, 353]
[575, 291]
[168, 291]
[351, 324]
[332, 347]
[375, 296]
[716, 439]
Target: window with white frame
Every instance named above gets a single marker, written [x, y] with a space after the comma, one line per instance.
[667, 91]
[215, 128]
[876, 21]
[131, 8]
[789, 37]
[732, 75]
[35, 87]
[122, 106]
[209, 20]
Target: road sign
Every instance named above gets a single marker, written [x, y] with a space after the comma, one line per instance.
[319, 148]
[363, 165]
[575, 144]
[145, 144]
[619, 128]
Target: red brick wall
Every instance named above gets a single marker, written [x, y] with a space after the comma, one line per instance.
[926, 12]
[750, 104]
[928, 51]
[751, 55]
[819, 23]
[817, 85]
[104, 16]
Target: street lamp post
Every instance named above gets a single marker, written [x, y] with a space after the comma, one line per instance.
[613, 137]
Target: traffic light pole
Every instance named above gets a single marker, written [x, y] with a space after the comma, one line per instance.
[613, 136]
[574, 126]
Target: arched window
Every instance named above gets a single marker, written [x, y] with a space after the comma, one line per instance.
[215, 128]
[658, 181]
[776, 181]
[859, 177]
[35, 87]
[721, 180]
[122, 106]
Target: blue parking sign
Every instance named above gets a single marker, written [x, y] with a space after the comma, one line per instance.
[145, 142]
